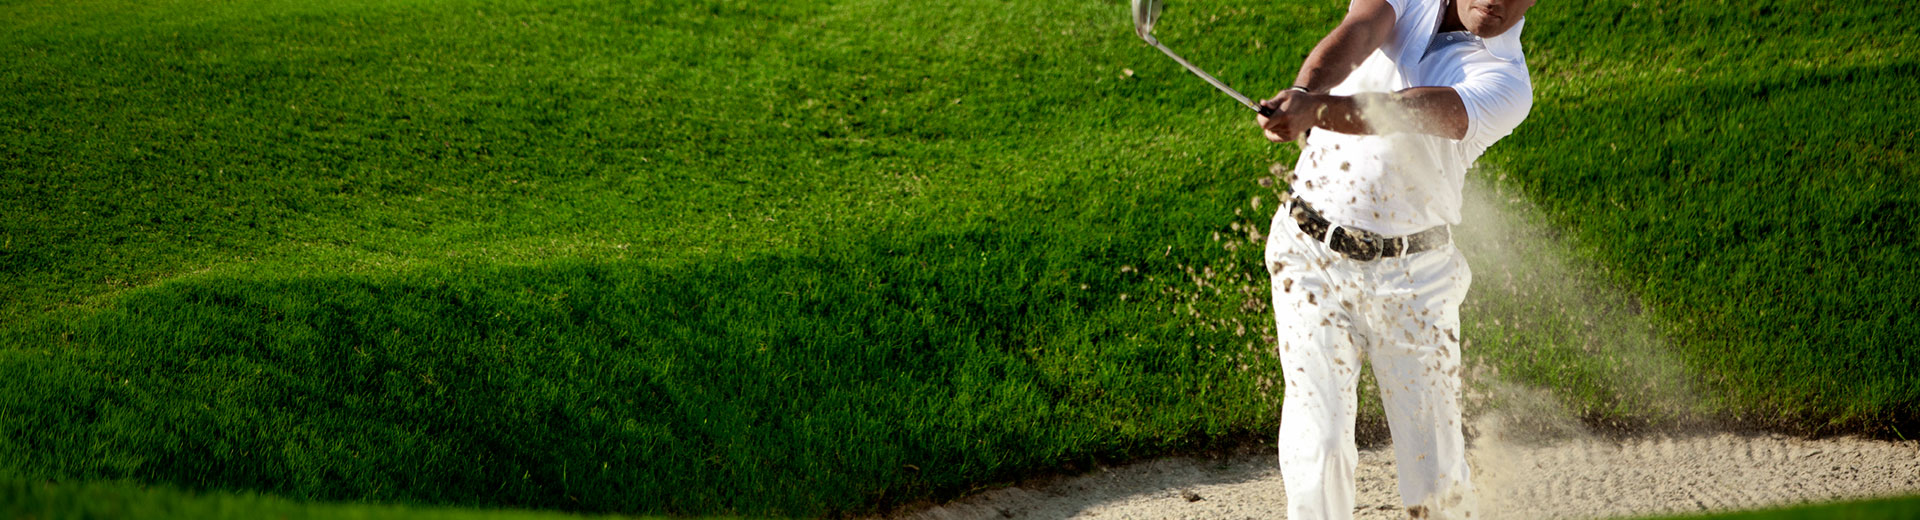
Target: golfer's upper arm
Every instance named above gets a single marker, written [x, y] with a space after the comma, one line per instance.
[1373, 20]
[1497, 98]
[1398, 6]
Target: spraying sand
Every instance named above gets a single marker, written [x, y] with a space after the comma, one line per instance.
[1568, 478]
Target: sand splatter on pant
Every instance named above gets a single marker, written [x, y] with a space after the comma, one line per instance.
[1403, 313]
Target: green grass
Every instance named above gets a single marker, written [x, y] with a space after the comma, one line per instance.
[1899, 508]
[720, 257]
[678, 258]
[1743, 170]
[25, 500]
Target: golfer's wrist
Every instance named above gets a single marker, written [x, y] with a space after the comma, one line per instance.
[1312, 106]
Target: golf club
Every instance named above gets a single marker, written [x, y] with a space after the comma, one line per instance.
[1145, 12]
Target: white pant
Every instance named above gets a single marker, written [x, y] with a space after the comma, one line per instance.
[1404, 313]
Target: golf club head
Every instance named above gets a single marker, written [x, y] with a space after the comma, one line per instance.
[1144, 13]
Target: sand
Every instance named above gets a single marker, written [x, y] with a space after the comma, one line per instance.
[1569, 478]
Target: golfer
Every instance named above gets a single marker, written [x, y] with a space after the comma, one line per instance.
[1390, 109]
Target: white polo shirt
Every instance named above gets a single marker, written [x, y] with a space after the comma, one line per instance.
[1403, 183]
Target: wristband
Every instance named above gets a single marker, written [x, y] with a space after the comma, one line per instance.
[1300, 88]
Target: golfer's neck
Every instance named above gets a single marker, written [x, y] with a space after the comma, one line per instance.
[1450, 18]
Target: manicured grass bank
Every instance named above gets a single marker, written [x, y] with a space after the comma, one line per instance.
[1877, 509]
[1745, 170]
[686, 257]
[783, 384]
[43, 501]
[712, 257]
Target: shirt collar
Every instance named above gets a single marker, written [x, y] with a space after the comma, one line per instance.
[1506, 46]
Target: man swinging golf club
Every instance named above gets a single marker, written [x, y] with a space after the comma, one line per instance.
[1361, 258]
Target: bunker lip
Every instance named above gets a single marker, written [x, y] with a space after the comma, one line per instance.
[1582, 477]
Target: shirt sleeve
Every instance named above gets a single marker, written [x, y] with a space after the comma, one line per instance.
[1396, 45]
[1399, 8]
[1497, 98]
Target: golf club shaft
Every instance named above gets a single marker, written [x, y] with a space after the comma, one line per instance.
[1210, 79]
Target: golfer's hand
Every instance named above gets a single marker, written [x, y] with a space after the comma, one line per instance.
[1294, 112]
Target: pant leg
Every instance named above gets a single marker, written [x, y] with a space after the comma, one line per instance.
[1317, 348]
[1416, 360]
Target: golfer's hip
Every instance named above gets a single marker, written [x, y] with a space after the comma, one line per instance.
[1361, 245]
[1428, 266]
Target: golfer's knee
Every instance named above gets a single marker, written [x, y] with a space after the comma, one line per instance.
[1321, 437]
[1326, 451]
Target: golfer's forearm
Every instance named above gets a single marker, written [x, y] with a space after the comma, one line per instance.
[1431, 110]
[1426, 110]
[1342, 114]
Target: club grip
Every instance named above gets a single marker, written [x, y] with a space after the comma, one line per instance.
[1265, 111]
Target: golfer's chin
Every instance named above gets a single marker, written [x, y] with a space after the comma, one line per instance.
[1488, 27]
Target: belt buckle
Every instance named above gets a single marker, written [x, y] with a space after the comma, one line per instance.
[1363, 247]
[1369, 247]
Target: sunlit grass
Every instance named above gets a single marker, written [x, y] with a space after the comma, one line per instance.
[721, 257]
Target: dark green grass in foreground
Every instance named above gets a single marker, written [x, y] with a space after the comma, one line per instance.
[1877, 509]
[712, 257]
[785, 384]
[25, 500]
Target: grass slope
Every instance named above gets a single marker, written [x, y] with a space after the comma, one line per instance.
[107, 500]
[1874, 509]
[765, 258]
[794, 385]
[1741, 169]
[683, 258]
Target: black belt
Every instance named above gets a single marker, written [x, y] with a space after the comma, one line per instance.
[1362, 245]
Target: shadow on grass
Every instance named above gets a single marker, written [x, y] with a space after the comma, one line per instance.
[839, 381]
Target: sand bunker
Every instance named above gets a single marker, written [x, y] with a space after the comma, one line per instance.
[1568, 478]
